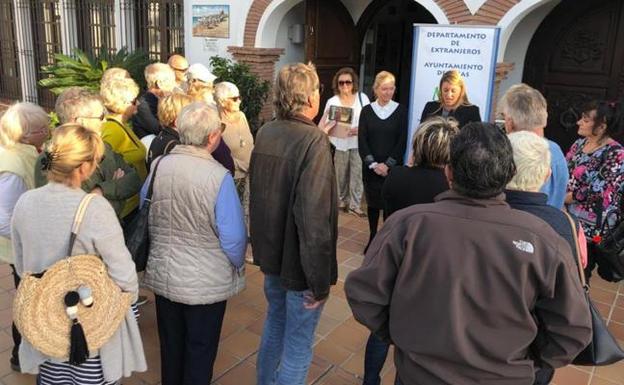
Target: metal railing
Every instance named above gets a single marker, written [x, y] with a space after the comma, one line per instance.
[10, 87]
[159, 27]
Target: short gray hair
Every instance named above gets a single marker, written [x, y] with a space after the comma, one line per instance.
[225, 90]
[525, 106]
[196, 121]
[531, 155]
[295, 83]
[77, 102]
[160, 75]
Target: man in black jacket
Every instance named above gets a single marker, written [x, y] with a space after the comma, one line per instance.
[293, 224]
[160, 80]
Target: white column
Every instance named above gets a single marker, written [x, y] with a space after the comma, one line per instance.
[69, 29]
[26, 51]
[125, 26]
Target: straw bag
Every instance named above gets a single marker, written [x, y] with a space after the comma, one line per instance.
[45, 318]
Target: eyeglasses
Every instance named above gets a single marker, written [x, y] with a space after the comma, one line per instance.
[179, 69]
[345, 82]
[235, 98]
[222, 128]
[101, 117]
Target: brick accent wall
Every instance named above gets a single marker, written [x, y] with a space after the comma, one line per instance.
[502, 70]
[262, 63]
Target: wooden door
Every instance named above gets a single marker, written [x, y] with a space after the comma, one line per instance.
[576, 55]
[330, 41]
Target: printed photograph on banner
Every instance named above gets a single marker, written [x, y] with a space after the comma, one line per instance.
[211, 21]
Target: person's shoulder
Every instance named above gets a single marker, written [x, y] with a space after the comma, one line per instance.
[431, 106]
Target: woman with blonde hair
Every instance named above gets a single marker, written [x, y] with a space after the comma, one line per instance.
[168, 109]
[119, 96]
[382, 135]
[452, 101]
[23, 129]
[40, 234]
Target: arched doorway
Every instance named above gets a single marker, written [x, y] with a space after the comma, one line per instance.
[385, 31]
[577, 54]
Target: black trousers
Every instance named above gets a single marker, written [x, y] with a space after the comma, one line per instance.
[17, 337]
[189, 339]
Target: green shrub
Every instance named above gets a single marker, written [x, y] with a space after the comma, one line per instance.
[253, 90]
[85, 70]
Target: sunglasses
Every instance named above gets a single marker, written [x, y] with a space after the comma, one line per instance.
[101, 117]
[235, 98]
[345, 82]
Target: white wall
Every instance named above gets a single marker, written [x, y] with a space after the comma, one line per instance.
[517, 36]
[292, 52]
[200, 49]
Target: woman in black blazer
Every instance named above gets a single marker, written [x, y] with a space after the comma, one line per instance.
[452, 101]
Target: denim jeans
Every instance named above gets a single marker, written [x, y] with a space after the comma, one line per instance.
[286, 347]
[374, 359]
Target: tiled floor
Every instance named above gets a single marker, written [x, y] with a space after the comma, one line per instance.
[339, 351]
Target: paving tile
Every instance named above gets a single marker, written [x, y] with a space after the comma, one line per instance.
[603, 296]
[5, 269]
[7, 282]
[601, 381]
[352, 246]
[613, 372]
[332, 352]
[617, 330]
[343, 271]
[242, 314]
[241, 344]
[318, 368]
[348, 338]
[343, 255]
[338, 376]
[617, 314]
[355, 261]
[326, 325]
[224, 362]
[337, 308]
[19, 379]
[570, 375]
[242, 374]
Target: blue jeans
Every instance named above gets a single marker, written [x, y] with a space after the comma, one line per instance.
[374, 359]
[286, 347]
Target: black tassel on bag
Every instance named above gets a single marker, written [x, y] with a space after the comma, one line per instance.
[78, 349]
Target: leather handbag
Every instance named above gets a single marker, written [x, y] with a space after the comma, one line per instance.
[137, 232]
[603, 348]
[611, 247]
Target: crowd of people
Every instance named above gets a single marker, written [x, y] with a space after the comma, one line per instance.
[473, 276]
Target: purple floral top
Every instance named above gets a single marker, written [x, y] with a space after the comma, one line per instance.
[595, 181]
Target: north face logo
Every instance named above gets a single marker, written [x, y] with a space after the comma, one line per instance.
[524, 246]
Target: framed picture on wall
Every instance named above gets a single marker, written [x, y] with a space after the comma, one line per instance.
[211, 21]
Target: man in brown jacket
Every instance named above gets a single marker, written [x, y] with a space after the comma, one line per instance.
[457, 285]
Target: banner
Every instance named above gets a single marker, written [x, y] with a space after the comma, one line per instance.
[438, 48]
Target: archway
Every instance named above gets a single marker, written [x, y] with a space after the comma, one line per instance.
[385, 32]
[576, 55]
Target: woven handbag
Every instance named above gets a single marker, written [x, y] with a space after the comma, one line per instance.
[40, 312]
[603, 348]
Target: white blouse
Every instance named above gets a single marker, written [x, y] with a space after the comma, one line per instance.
[345, 144]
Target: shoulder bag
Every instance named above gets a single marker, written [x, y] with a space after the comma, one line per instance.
[137, 231]
[603, 348]
[72, 308]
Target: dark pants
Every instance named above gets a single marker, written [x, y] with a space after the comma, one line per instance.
[374, 359]
[189, 339]
[373, 222]
[543, 376]
[17, 338]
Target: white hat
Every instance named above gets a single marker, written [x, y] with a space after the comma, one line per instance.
[199, 72]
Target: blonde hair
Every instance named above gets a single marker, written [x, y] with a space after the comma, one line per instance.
[19, 120]
[201, 91]
[71, 146]
[115, 73]
[453, 77]
[432, 142]
[118, 94]
[381, 78]
[170, 106]
[525, 106]
[160, 75]
[531, 155]
[295, 83]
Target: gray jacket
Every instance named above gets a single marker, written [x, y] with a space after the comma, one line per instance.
[186, 263]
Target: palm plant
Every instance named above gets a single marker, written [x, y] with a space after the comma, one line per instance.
[85, 70]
